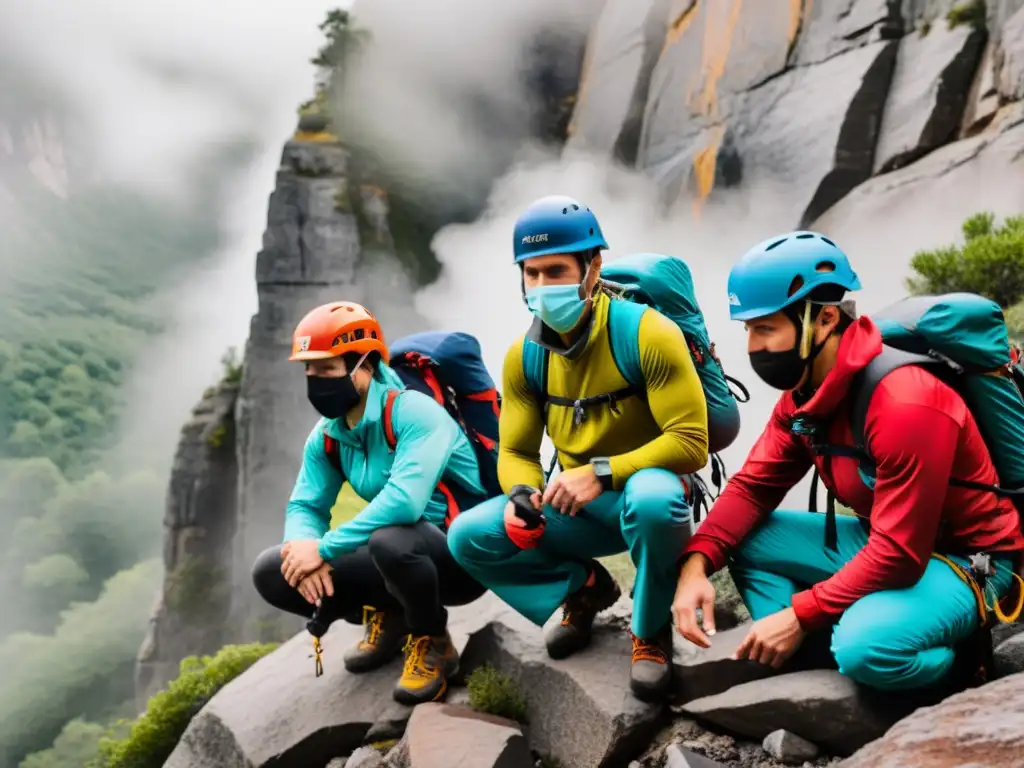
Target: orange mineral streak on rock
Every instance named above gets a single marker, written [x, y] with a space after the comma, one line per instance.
[704, 163]
[799, 15]
[679, 25]
[719, 31]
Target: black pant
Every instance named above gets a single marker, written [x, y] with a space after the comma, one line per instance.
[403, 567]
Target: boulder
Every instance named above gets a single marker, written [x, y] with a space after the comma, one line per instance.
[580, 709]
[788, 747]
[1011, 58]
[928, 94]
[701, 672]
[444, 735]
[678, 757]
[819, 705]
[278, 714]
[1009, 656]
[982, 728]
[621, 54]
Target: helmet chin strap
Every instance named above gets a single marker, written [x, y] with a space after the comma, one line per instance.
[809, 350]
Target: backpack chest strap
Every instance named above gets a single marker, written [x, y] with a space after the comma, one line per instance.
[580, 405]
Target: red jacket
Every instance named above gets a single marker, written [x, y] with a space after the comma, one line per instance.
[920, 433]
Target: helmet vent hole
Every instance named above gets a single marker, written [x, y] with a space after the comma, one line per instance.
[565, 211]
[796, 285]
[358, 334]
[829, 242]
[591, 231]
[825, 266]
[575, 207]
[373, 334]
[776, 244]
[804, 236]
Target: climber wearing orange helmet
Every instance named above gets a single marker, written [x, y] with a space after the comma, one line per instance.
[393, 555]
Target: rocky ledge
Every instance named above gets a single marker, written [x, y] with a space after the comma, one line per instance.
[579, 712]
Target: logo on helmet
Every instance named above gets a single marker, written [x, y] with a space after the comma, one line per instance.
[543, 238]
[302, 344]
[734, 300]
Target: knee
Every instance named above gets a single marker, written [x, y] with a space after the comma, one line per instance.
[392, 546]
[468, 529]
[655, 501]
[266, 574]
[864, 658]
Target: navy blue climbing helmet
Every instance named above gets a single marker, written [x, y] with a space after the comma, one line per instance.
[760, 283]
[556, 224]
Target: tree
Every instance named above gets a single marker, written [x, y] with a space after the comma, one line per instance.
[990, 262]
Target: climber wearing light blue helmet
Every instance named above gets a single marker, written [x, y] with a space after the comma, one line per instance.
[891, 440]
[795, 275]
[622, 449]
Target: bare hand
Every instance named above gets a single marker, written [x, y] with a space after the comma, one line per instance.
[317, 585]
[573, 489]
[301, 559]
[694, 591]
[773, 639]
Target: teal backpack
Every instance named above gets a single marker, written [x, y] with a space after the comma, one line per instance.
[962, 339]
[636, 282]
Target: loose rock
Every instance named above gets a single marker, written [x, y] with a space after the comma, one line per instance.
[788, 747]
[678, 757]
[820, 704]
[445, 735]
[703, 672]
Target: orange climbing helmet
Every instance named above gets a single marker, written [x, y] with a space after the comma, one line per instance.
[336, 329]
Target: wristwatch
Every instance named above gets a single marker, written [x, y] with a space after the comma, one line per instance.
[603, 470]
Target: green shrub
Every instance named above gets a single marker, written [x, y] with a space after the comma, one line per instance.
[990, 262]
[496, 693]
[155, 734]
[232, 366]
[76, 746]
[969, 12]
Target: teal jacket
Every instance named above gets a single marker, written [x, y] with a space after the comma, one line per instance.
[400, 486]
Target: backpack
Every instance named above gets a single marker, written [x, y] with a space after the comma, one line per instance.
[448, 367]
[962, 339]
[636, 282]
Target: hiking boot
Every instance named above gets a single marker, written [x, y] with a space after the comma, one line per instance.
[429, 663]
[651, 672]
[385, 634]
[579, 610]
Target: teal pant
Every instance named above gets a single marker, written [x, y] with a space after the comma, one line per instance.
[649, 518]
[891, 640]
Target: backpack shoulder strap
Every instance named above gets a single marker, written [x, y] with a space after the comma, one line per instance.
[535, 369]
[386, 418]
[866, 382]
[332, 449]
[624, 337]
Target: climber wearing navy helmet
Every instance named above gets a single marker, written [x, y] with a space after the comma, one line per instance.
[621, 453]
[895, 611]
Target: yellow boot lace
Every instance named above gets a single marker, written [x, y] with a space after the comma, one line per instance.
[373, 620]
[416, 666]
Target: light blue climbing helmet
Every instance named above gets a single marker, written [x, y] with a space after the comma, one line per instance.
[556, 224]
[760, 282]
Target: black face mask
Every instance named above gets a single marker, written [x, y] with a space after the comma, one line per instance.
[332, 397]
[779, 370]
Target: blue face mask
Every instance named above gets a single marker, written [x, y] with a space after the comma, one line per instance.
[558, 306]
